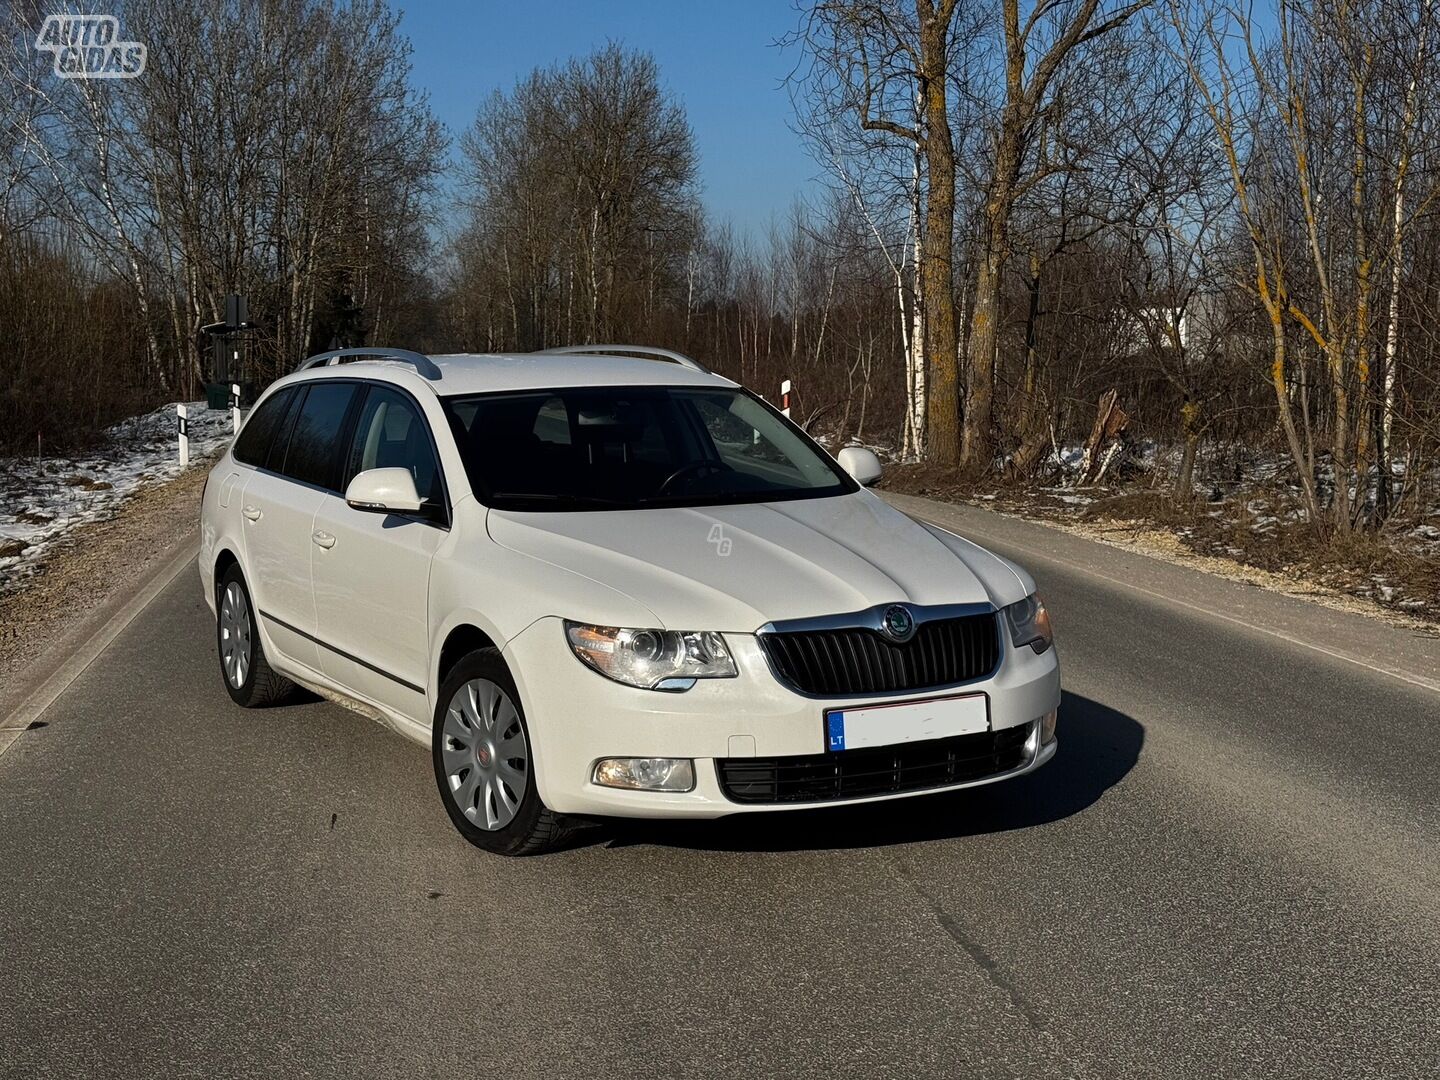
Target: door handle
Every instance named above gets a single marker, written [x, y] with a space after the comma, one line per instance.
[252, 513]
[324, 539]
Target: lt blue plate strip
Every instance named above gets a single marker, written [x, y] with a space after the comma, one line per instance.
[835, 729]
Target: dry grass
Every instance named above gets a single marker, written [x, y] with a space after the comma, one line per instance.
[1253, 535]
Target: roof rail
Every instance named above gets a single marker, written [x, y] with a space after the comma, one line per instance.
[419, 361]
[639, 352]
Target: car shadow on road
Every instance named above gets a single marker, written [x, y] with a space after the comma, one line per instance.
[1098, 747]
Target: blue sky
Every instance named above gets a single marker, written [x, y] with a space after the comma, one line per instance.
[716, 56]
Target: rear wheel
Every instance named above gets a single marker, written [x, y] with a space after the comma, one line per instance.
[484, 765]
[248, 676]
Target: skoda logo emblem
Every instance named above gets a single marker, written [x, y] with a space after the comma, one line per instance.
[898, 623]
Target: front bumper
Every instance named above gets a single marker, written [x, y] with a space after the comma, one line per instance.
[577, 716]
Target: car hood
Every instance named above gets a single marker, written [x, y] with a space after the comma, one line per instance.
[735, 568]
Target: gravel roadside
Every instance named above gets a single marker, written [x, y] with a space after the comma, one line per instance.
[98, 561]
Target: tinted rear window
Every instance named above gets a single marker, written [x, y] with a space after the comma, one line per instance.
[314, 453]
[259, 432]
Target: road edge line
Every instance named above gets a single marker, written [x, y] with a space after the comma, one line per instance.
[48, 692]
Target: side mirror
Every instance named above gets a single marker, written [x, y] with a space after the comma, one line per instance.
[384, 491]
[860, 463]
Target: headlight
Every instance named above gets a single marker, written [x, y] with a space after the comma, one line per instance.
[651, 659]
[1029, 624]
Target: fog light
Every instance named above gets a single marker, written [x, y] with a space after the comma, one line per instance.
[646, 773]
[1047, 726]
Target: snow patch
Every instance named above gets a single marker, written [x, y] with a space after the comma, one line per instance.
[1062, 495]
[43, 499]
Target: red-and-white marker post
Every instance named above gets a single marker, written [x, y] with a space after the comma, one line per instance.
[182, 425]
[785, 398]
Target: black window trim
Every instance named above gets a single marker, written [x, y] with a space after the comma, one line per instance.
[341, 441]
[287, 392]
[291, 415]
[347, 439]
[281, 444]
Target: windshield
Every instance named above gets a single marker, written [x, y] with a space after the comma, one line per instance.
[621, 447]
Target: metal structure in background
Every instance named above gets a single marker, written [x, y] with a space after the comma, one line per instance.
[227, 361]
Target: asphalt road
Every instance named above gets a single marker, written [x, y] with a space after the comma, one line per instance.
[1230, 870]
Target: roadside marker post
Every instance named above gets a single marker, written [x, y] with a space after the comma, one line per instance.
[235, 408]
[785, 398]
[182, 424]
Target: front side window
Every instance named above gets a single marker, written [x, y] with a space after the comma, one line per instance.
[313, 456]
[260, 431]
[391, 434]
[627, 447]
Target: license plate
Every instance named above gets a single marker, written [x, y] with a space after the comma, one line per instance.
[906, 721]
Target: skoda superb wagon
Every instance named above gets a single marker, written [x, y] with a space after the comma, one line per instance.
[606, 582]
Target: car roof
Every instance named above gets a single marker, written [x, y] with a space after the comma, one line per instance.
[485, 373]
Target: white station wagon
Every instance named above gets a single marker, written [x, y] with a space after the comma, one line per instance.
[603, 581]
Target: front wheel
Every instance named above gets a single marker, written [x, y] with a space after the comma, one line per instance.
[484, 765]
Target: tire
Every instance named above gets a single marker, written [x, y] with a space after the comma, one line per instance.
[484, 761]
[246, 673]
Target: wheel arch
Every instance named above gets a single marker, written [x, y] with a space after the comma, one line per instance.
[214, 564]
[224, 559]
[462, 638]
